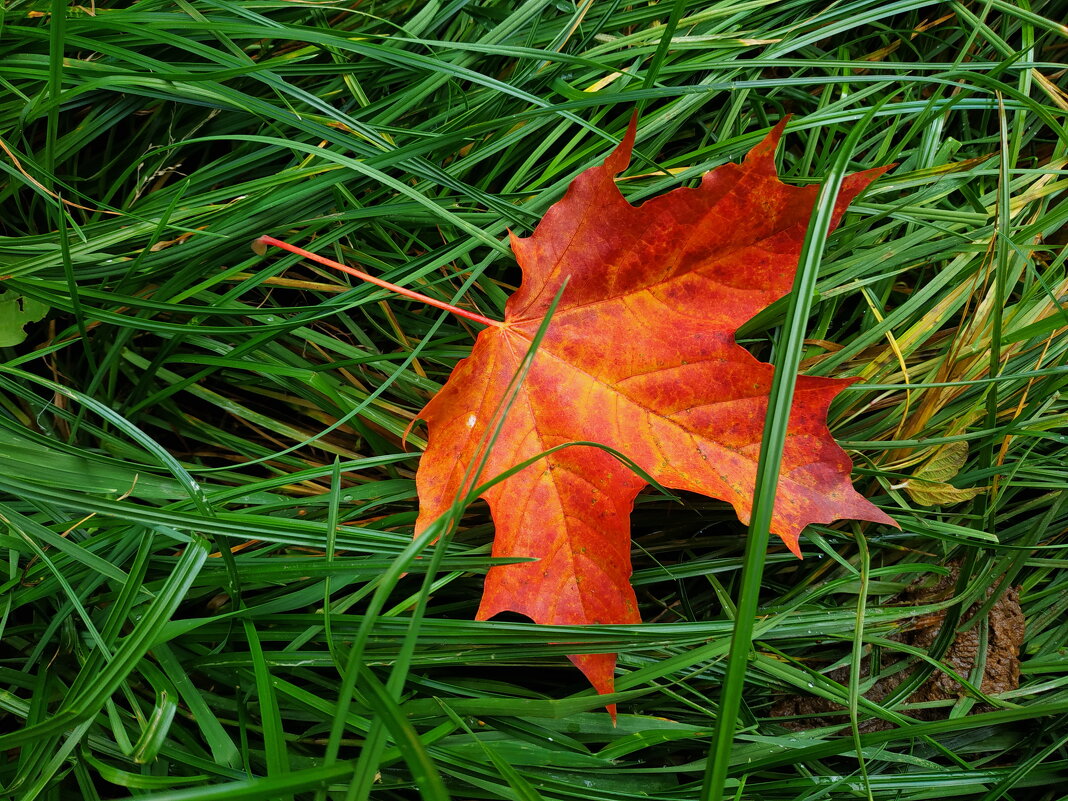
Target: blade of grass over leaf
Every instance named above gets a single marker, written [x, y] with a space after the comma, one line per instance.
[788, 351]
[443, 529]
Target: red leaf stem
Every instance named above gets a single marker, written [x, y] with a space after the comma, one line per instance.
[278, 243]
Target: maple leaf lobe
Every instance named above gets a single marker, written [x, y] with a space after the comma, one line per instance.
[640, 355]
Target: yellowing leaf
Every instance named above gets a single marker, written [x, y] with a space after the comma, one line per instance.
[928, 486]
[934, 493]
[946, 463]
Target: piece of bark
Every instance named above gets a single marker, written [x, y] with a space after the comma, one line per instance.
[1001, 672]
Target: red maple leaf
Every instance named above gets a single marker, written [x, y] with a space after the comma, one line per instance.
[639, 355]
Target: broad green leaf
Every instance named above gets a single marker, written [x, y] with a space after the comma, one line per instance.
[16, 312]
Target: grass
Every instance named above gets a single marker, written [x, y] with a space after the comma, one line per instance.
[209, 584]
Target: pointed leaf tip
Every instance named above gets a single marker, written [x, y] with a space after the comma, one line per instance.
[619, 159]
[767, 146]
[793, 542]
